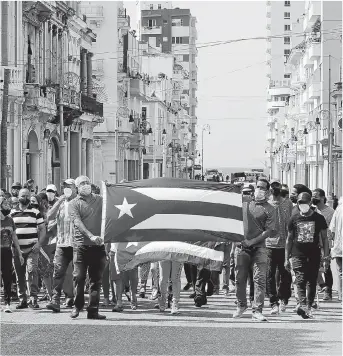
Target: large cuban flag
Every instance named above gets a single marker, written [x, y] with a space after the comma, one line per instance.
[171, 219]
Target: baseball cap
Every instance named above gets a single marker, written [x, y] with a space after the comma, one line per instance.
[16, 185]
[81, 179]
[275, 181]
[51, 187]
[69, 181]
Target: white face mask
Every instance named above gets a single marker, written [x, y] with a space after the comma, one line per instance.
[67, 192]
[85, 190]
[304, 208]
[50, 195]
[259, 194]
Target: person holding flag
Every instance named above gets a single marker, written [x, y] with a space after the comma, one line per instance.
[89, 251]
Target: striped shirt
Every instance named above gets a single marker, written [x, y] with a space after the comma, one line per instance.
[27, 222]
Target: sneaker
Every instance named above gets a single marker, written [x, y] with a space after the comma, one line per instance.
[227, 294]
[302, 312]
[7, 309]
[187, 286]
[118, 309]
[96, 316]
[69, 303]
[327, 295]
[142, 292]
[134, 305]
[310, 312]
[33, 304]
[258, 316]
[314, 306]
[275, 310]
[239, 312]
[22, 305]
[192, 295]
[162, 304]
[106, 302]
[54, 307]
[74, 313]
[154, 294]
[175, 308]
[283, 306]
[225, 287]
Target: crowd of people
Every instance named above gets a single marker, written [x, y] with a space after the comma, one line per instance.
[54, 242]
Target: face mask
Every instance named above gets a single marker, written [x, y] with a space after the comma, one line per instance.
[315, 201]
[304, 208]
[259, 194]
[36, 206]
[276, 192]
[85, 190]
[293, 198]
[24, 201]
[284, 193]
[5, 212]
[50, 195]
[67, 192]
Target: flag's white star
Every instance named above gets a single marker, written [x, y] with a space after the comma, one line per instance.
[129, 244]
[125, 208]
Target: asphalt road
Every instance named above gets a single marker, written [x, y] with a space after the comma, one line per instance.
[205, 331]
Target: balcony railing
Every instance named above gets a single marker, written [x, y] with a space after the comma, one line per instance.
[16, 78]
[92, 11]
[92, 106]
[40, 98]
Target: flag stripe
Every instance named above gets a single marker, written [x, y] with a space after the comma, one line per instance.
[190, 222]
[192, 195]
[163, 234]
[200, 208]
[181, 247]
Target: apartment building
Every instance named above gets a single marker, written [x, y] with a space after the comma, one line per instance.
[45, 45]
[173, 30]
[280, 17]
[308, 146]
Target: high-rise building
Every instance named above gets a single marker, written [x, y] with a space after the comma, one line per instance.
[280, 17]
[173, 30]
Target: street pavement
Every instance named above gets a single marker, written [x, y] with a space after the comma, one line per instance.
[209, 330]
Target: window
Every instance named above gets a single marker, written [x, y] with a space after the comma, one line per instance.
[185, 58]
[287, 40]
[286, 76]
[173, 40]
[151, 23]
[287, 27]
[165, 22]
[165, 39]
[287, 15]
[177, 22]
[151, 6]
[178, 40]
[287, 52]
[159, 6]
[287, 3]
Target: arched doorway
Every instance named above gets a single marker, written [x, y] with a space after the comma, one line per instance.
[32, 157]
[55, 162]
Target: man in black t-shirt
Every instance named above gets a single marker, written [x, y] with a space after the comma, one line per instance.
[304, 230]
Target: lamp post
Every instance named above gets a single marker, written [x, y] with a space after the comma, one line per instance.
[164, 137]
[206, 127]
[317, 151]
[305, 154]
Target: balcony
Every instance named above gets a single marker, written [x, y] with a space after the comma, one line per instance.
[40, 98]
[312, 14]
[296, 53]
[153, 30]
[314, 91]
[271, 136]
[314, 51]
[124, 126]
[137, 88]
[149, 156]
[92, 12]
[275, 104]
[297, 80]
[15, 82]
[307, 61]
[305, 98]
[91, 106]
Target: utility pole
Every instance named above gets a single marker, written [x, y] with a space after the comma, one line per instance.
[317, 155]
[202, 153]
[62, 143]
[330, 177]
[7, 73]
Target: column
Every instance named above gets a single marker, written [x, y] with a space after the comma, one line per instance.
[83, 71]
[89, 75]
[24, 162]
[75, 159]
[89, 160]
[83, 157]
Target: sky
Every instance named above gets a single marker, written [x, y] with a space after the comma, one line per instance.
[231, 97]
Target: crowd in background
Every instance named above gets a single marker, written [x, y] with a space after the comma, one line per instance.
[51, 242]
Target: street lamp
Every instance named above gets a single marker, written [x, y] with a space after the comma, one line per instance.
[317, 151]
[305, 132]
[206, 127]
